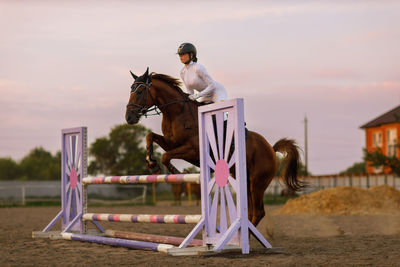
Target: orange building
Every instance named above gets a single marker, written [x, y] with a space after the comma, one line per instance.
[383, 132]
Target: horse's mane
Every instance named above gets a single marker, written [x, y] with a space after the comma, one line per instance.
[174, 83]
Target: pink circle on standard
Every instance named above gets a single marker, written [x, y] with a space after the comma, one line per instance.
[221, 173]
[73, 179]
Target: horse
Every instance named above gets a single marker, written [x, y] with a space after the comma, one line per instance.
[180, 139]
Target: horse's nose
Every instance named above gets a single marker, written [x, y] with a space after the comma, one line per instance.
[128, 118]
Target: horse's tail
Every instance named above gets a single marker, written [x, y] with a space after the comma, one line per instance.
[291, 163]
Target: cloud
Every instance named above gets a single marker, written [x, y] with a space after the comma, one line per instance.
[335, 74]
[142, 16]
[378, 87]
[284, 58]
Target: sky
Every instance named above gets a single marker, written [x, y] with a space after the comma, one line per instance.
[66, 64]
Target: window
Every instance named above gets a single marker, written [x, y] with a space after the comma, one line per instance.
[377, 143]
[391, 137]
[377, 139]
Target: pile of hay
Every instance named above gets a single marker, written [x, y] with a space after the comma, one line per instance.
[345, 201]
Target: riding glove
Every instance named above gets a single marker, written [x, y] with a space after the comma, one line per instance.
[194, 96]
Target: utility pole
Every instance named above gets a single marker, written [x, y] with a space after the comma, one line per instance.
[305, 144]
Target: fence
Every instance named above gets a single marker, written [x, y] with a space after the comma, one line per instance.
[15, 191]
[329, 181]
[21, 192]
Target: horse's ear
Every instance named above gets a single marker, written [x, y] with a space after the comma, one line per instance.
[133, 75]
[146, 75]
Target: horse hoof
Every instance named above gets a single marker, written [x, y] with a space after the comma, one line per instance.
[151, 163]
[154, 167]
[174, 170]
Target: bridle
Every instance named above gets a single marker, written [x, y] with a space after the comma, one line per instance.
[143, 110]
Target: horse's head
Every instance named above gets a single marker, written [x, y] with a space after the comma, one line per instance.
[140, 99]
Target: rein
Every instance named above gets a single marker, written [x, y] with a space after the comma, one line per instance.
[157, 110]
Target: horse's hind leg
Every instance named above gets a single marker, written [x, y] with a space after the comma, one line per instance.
[249, 197]
[176, 189]
[171, 168]
[257, 190]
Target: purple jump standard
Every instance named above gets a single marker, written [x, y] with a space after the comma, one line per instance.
[118, 242]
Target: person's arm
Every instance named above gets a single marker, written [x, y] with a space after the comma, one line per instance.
[189, 90]
[203, 74]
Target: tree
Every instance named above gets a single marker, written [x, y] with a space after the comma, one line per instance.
[39, 164]
[9, 169]
[356, 168]
[377, 159]
[121, 153]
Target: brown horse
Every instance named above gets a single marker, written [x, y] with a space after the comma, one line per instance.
[180, 138]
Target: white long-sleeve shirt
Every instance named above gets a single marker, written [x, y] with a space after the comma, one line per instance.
[196, 77]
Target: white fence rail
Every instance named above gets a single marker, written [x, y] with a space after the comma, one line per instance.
[23, 191]
[20, 192]
[330, 181]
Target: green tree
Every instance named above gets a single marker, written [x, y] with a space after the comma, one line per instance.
[121, 153]
[39, 164]
[356, 168]
[9, 169]
[377, 159]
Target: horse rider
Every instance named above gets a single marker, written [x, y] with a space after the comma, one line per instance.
[196, 77]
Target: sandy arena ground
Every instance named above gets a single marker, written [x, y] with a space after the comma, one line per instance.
[306, 240]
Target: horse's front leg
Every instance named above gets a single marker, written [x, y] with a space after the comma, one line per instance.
[152, 164]
[185, 152]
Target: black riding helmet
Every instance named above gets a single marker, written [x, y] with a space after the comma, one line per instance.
[188, 48]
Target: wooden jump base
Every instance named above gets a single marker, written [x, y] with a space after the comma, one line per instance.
[176, 241]
[224, 219]
[118, 242]
[136, 179]
[140, 218]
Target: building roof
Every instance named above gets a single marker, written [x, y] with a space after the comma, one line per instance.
[391, 116]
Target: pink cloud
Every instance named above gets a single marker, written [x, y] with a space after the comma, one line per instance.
[335, 74]
[373, 35]
[376, 87]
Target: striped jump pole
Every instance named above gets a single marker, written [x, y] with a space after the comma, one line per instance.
[170, 219]
[118, 242]
[144, 179]
[152, 238]
[141, 179]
